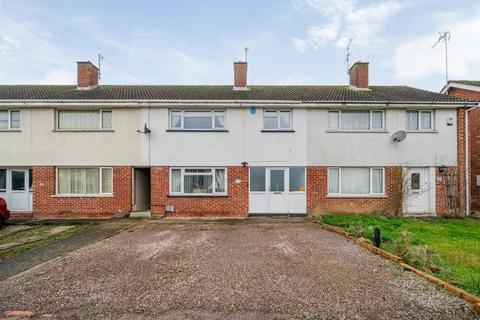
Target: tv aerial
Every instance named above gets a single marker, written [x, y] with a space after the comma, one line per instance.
[444, 37]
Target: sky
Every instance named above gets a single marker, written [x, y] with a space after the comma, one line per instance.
[196, 41]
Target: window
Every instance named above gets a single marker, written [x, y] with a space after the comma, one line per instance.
[3, 180]
[355, 181]
[9, 119]
[30, 179]
[257, 179]
[197, 120]
[277, 119]
[297, 179]
[415, 181]
[356, 120]
[198, 181]
[84, 181]
[84, 120]
[419, 120]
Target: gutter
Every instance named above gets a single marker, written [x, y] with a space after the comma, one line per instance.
[227, 103]
[467, 162]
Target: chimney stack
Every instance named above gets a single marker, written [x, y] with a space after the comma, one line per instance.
[240, 75]
[358, 74]
[87, 75]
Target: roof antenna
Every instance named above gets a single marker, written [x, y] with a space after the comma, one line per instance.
[347, 54]
[100, 58]
[445, 37]
[246, 53]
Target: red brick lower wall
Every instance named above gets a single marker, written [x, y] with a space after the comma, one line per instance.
[319, 202]
[47, 205]
[233, 205]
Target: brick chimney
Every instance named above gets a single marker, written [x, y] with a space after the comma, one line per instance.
[87, 75]
[240, 75]
[358, 74]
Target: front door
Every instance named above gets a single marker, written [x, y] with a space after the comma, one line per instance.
[417, 191]
[19, 194]
[277, 190]
[278, 199]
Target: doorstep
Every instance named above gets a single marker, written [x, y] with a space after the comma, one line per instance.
[141, 215]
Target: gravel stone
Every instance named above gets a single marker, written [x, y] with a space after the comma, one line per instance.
[234, 271]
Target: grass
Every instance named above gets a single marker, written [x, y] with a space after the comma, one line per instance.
[455, 244]
[40, 231]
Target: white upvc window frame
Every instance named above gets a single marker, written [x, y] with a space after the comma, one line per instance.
[100, 172]
[9, 119]
[182, 118]
[100, 120]
[370, 120]
[419, 122]
[278, 113]
[4, 190]
[182, 187]
[340, 194]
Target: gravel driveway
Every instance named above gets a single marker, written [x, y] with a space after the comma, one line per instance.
[235, 271]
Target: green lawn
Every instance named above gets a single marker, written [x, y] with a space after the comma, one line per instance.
[454, 244]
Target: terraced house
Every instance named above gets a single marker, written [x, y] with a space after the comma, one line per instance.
[227, 150]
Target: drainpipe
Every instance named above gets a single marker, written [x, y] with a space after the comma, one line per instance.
[467, 162]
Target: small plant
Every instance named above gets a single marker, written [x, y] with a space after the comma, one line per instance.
[422, 257]
[357, 231]
[402, 244]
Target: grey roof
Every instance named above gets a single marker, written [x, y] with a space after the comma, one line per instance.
[475, 83]
[300, 93]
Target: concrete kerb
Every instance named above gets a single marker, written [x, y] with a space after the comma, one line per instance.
[445, 285]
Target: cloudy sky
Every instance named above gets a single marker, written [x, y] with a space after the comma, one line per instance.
[193, 42]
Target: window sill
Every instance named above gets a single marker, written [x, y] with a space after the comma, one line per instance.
[83, 130]
[421, 131]
[355, 131]
[357, 196]
[11, 130]
[279, 130]
[197, 195]
[82, 196]
[197, 130]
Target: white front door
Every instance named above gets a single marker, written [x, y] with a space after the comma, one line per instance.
[417, 190]
[277, 193]
[19, 195]
[277, 190]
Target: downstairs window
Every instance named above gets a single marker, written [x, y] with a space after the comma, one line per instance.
[355, 181]
[84, 181]
[198, 181]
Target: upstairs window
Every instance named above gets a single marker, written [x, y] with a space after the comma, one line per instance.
[9, 119]
[277, 119]
[84, 120]
[356, 120]
[197, 120]
[419, 120]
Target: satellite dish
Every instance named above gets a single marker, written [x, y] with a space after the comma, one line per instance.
[146, 130]
[399, 136]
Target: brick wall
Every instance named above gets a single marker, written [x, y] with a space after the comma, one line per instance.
[318, 202]
[464, 94]
[474, 145]
[47, 205]
[233, 205]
